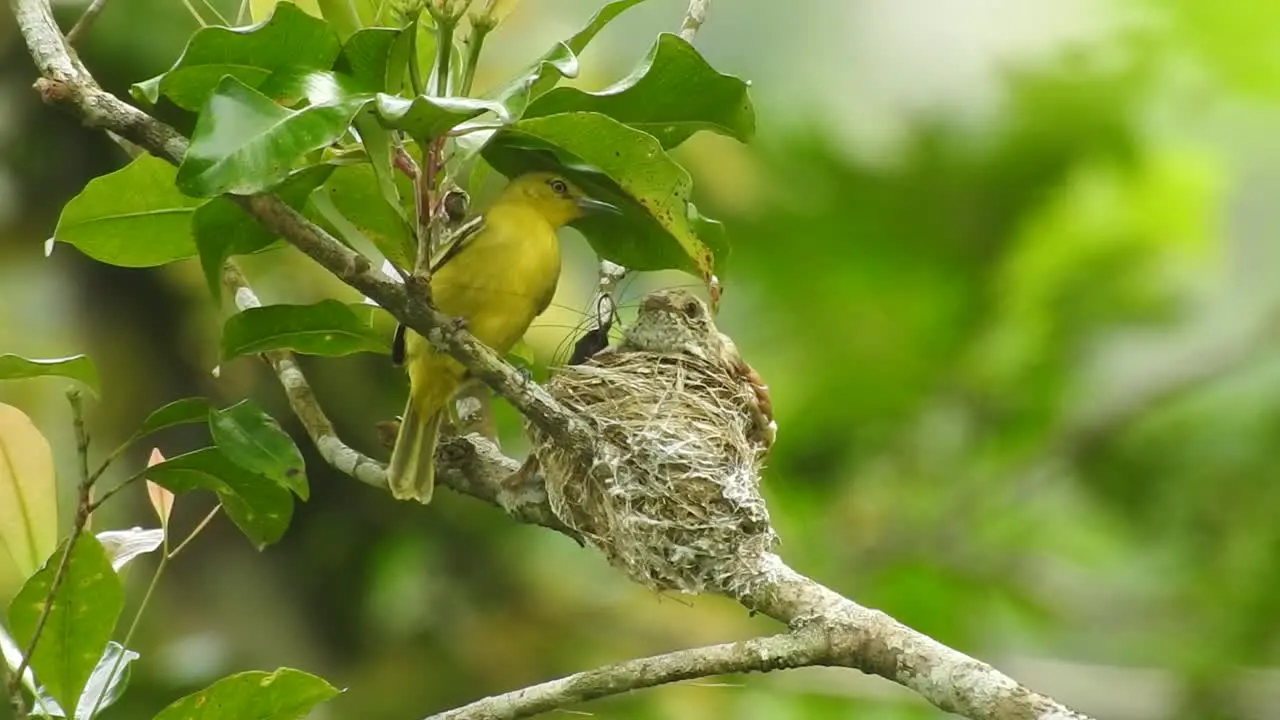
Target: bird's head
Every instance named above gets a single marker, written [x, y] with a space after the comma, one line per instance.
[672, 321]
[555, 197]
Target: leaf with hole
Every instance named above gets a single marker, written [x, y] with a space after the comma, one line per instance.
[76, 367]
[285, 694]
[81, 617]
[290, 40]
[621, 165]
[259, 507]
[252, 439]
[244, 143]
[671, 95]
[133, 217]
[328, 327]
[28, 493]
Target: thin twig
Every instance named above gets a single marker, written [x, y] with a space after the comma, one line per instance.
[216, 13]
[82, 25]
[693, 19]
[777, 652]
[195, 13]
[192, 536]
[81, 519]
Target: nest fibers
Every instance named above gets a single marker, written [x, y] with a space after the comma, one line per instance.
[673, 498]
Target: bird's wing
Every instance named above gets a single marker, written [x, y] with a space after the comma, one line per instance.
[456, 242]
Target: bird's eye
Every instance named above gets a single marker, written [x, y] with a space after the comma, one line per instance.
[559, 187]
[691, 309]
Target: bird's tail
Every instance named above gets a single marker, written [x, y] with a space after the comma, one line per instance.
[411, 473]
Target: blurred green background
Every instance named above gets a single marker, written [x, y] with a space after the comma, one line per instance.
[1008, 267]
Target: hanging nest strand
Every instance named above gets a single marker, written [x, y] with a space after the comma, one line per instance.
[673, 497]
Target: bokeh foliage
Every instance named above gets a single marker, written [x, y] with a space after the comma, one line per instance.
[1022, 373]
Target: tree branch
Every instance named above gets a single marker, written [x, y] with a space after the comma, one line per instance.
[826, 627]
[777, 652]
[693, 19]
[470, 465]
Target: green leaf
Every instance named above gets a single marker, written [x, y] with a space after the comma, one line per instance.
[341, 14]
[178, 412]
[106, 684]
[259, 507]
[108, 680]
[328, 327]
[252, 439]
[285, 694]
[561, 61]
[621, 165]
[376, 140]
[122, 546]
[671, 95]
[290, 40]
[81, 617]
[426, 118]
[352, 201]
[605, 15]
[244, 143]
[377, 58]
[133, 217]
[377, 318]
[376, 13]
[223, 230]
[76, 367]
[28, 492]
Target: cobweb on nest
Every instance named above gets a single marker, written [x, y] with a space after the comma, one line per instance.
[673, 498]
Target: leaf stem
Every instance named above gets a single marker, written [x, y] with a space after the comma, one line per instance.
[82, 519]
[192, 9]
[90, 14]
[444, 52]
[201, 526]
[480, 28]
[210, 7]
[146, 598]
[128, 636]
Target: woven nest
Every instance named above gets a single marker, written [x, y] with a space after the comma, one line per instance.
[673, 498]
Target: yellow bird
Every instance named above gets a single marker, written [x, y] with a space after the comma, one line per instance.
[498, 280]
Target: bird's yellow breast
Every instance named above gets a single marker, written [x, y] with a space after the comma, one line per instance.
[502, 279]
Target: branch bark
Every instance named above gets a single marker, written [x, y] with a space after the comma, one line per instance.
[471, 465]
[827, 629]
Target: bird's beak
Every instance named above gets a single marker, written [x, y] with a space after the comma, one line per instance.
[590, 206]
